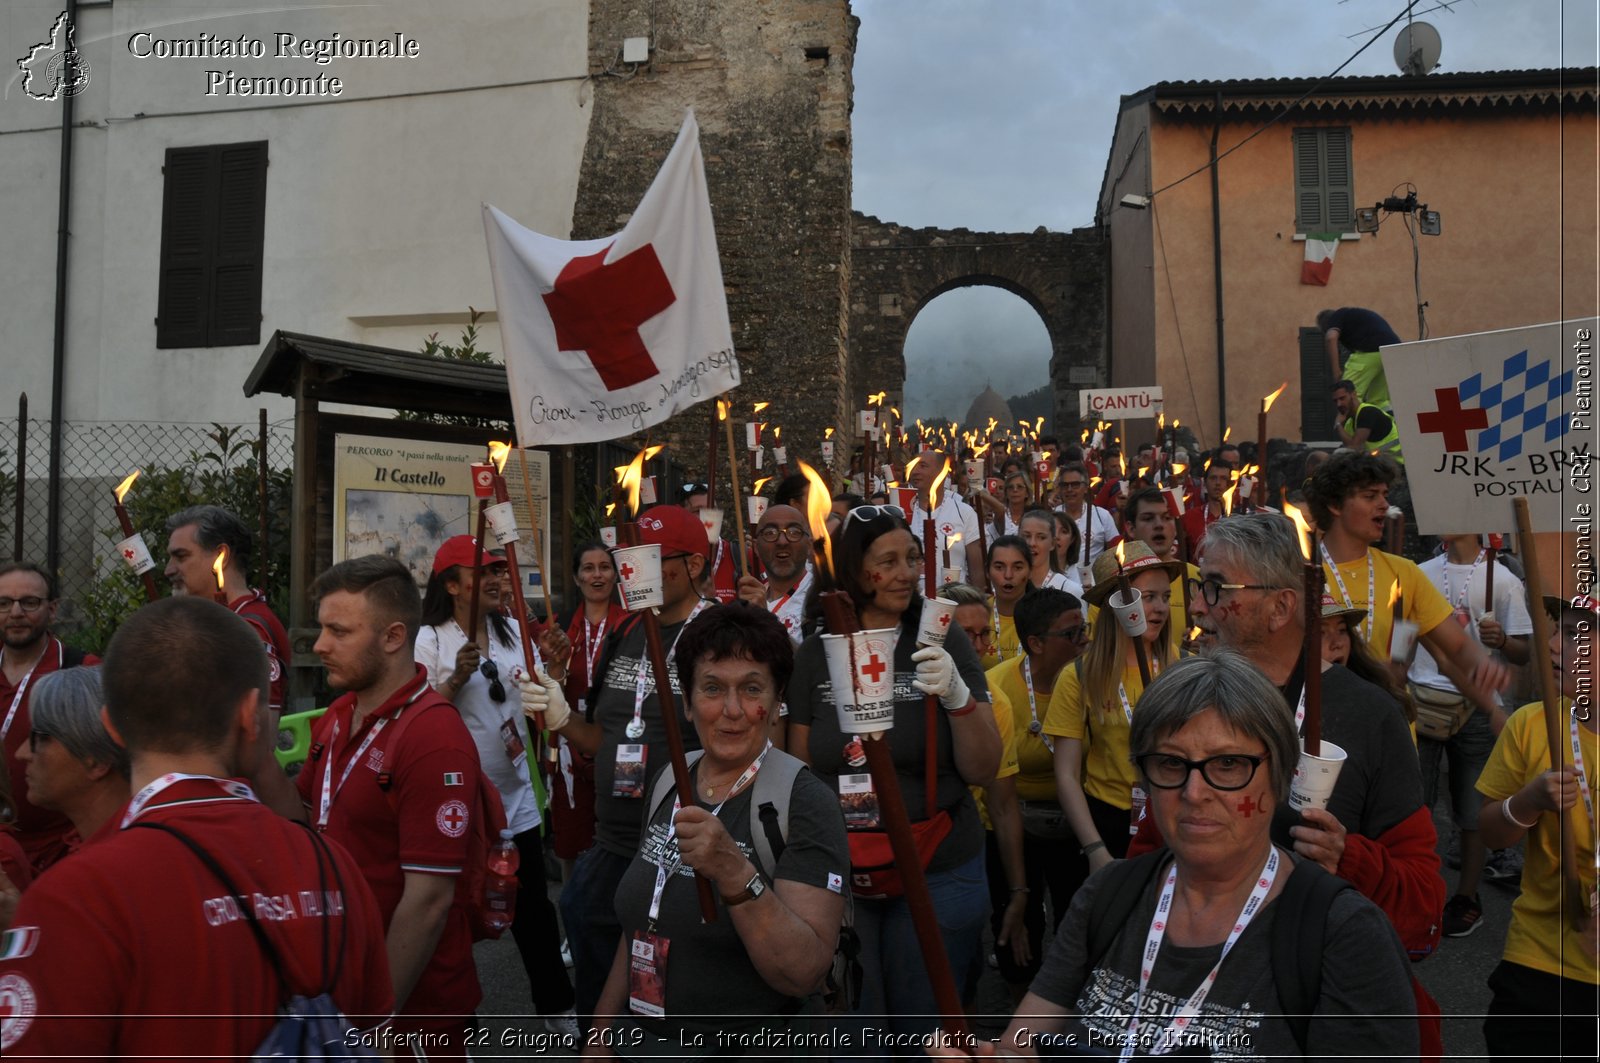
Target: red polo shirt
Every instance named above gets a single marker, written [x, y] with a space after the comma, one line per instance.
[120, 948]
[41, 832]
[254, 608]
[403, 808]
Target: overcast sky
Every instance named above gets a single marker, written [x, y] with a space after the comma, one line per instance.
[997, 115]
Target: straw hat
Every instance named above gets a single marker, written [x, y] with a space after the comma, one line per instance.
[1351, 614]
[1136, 558]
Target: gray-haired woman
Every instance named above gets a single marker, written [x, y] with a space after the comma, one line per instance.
[1216, 749]
[74, 767]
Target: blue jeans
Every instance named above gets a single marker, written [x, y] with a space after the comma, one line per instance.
[589, 912]
[896, 993]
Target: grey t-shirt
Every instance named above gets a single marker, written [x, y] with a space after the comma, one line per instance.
[617, 819]
[1366, 1007]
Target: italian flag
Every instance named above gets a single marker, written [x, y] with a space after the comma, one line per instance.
[1318, 266]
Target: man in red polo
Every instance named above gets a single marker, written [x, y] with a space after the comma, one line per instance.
[401, 806]
[135, 946]
[28, 598]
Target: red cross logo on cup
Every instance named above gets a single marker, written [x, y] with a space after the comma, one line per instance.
[874, 668]
[128, 553]
[626, 571]
[944, 620]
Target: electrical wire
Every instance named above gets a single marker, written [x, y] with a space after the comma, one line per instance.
[1289, 109]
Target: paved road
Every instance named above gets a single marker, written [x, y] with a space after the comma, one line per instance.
[1455, 976]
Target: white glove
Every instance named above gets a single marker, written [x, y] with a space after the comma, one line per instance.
[543, 694]
[937, 675]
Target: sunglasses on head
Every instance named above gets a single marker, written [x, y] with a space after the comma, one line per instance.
[874, 512]
[491, 672]
[694, 489]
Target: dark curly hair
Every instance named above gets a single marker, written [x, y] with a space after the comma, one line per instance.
[1342, 476]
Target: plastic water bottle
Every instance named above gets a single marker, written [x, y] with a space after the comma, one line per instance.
[500, 885]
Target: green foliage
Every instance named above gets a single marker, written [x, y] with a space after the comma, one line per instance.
[226, 475]
[8, 495]
[465, 351]
[1035, 404]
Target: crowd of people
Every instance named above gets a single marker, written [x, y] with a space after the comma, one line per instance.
[1108, 800]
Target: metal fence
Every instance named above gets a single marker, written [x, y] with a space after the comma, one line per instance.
[95, 457]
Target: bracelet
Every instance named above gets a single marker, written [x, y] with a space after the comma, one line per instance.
[1505, 810]
[1092, 847]
[1020, 889]
[971, 706]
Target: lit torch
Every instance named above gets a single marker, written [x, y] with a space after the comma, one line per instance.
[1126, 593]
[1266, 404]
[1312, 653]
[132, 547]
[498, 452]
[220, 596]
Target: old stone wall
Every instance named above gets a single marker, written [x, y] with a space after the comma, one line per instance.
[896, 271]
[770, 83]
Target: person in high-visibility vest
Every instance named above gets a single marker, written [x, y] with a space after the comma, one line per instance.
[1363, 426]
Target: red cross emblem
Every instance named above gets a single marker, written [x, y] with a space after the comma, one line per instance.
[944, 620]
[451, 819]
[1450, 420]
[127, 552]
[598, 308]
[626, 570]
[874, 668]
[1247, 807]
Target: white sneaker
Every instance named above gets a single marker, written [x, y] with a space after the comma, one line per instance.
[564, 1024]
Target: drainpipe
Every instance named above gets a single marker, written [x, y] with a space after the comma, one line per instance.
[1216, 271]
[58, 364]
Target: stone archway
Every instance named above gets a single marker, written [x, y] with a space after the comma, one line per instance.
[897, 271]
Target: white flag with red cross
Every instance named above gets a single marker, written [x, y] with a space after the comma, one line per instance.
[604, 338]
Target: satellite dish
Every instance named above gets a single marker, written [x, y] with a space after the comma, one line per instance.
[1417, 48]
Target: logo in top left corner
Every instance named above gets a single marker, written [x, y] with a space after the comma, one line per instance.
[55, 68]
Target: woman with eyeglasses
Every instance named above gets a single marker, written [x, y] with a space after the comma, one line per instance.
[1038, 529]
[1016, 493]
[480, 677]
[1096, 528]
[1176, 951]
[878, 563]
[1093, 705]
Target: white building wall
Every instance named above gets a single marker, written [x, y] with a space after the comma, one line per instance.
[373, 229]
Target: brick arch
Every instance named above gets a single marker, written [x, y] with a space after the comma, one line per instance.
[896, 272]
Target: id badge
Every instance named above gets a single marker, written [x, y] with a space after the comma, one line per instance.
[647, 974]
[859, 803]
[1136, 814]
[628, 781]
[516, 751]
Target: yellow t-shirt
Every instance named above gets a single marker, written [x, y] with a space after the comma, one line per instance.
[1521, 754]
[1107, 772]
[1006, 643]
[1420, 601]
[1036, 763]
[1008, 749]
[1176, 628]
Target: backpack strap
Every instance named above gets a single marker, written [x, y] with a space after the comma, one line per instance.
[1298, 931]
[664, 782]
[1121, 888]
[769, 809]
[591, 697]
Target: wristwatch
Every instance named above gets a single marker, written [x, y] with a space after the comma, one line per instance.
[752, 889]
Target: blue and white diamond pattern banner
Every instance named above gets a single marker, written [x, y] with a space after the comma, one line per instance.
[1490, 416]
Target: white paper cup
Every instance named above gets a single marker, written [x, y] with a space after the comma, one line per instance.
[780, 455]
[135, 554]
[502, 518]
[952, 575]
[1246, 485]
[639, 570]
[887, 472]
[1314, 777]
[1402, 641]
[757, 505]
[937, 616]
[861, 670]
[1130, 614]
[906, 499]
[975, 472]
[609, 536]
[647, 491]
[827, 451]
[711, 521]
[868, 420]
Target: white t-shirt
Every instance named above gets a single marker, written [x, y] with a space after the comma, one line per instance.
[1096, 528]
[436, 651]
[951, 516]
[1463, 587]
[791, 610]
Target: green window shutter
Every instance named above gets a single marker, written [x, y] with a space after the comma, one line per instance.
[1316, 390]
[1338, 180]
[212, 235]
[241, 218]
[1324, 181]
[187, 203]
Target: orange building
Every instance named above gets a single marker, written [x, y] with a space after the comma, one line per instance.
[1205, 296]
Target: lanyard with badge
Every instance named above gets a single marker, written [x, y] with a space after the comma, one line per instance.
[628, 777]
[1137, 794]
[1035, 728]
[1366, 621]
[647, 953]
[329, 790]
[22, 687]
[235, 791]
[1170, 1037]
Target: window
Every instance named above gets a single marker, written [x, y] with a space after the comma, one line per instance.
[1316, 390]
[213, 215]
[1324, 183]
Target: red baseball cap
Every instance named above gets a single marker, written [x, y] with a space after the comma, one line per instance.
[674, 529]
[463, 550]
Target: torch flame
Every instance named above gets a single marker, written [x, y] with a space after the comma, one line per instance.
[952, 540]
[722, 411]
[1302, 527]
[1122, 552]
[933, 489]
[896, 411]
[610, 508]
[498, 453]
[827, 433]
[1227, 498]
[632, 477]
[1179, 468]
[1174, 424]
[1268, 400]
[216, 566]
[1038, 425]
[1161, 421]
[819, 503]
[1226, 432]
[1394, 595]
[777, 433]
[756, 487]
[980, 452]
[122, 488]
[1142, 470]
[1194, 632]
[761, 406]
[912, 464]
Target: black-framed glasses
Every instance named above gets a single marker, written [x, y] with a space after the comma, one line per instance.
[491, 672]
[1225, 771]
[33, 739]
[789, 533]
[1071, 634]
[31, 604]
[1068, 484]
[1211, 588]
[872, 512]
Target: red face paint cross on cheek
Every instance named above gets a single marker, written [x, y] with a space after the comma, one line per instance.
[877, 577]
[1232, 608]
[1246, 807]
[761, 713]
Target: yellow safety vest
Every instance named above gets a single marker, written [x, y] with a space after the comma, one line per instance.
[1390, 444]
